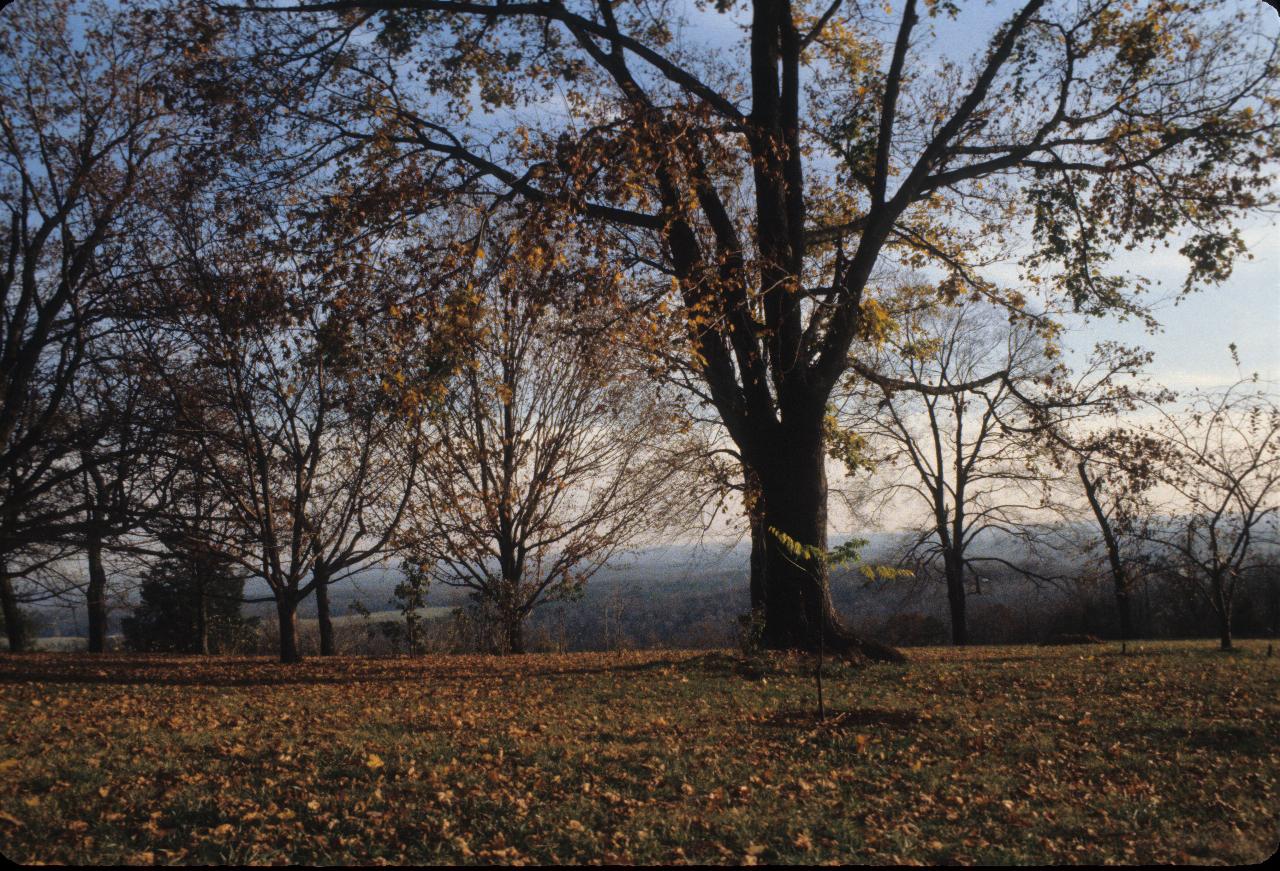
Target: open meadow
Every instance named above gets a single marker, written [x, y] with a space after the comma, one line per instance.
[1170, 753]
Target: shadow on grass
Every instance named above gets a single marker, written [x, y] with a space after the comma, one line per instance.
[242, 671]
[1219, 737]
[839, 720]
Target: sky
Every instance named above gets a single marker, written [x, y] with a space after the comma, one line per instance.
[1192, 348]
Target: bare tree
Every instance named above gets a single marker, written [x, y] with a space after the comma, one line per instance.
[551, 455]
[1226, 484]
[951, 452]
[269, 362]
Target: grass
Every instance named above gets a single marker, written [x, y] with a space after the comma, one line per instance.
[988, 755]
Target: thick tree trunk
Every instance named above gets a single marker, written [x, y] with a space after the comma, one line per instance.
[797, 597]
[97, 597]
[14, 624]
[322, 614]
[287, 611]
[954, 569]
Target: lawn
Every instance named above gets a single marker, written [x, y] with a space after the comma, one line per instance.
[1170, 753]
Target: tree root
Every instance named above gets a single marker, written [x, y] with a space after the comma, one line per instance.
[854, 648]
[844, 644]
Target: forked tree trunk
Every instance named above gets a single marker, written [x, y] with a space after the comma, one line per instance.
[14, 627]
[97, 596]
[797, 597]
[287, 611]
[322, 614]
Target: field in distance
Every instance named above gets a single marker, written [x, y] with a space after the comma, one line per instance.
[1170, 753]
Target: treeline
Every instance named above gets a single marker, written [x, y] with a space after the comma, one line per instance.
[639, 610]
[489, 295]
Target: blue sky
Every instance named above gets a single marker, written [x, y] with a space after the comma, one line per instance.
[1191, 350]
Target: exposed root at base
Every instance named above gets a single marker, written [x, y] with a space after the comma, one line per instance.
[845, 645]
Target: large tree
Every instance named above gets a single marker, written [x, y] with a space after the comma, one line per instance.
[768, 176]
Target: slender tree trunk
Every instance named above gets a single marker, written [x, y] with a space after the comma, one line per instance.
[14, 625]
[954, 569]
[1222, 606]
[97, 596]
[1119, 577]
[287, 611]
[797, 596]
[1124, 610]
[322, 613]
[411, 632]
[1273, 605]
[515, 634]
[202, 618]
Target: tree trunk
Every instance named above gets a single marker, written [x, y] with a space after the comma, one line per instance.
[758, 537]
[1273, 605]
[797, 597]
[287, 611]
[97, 596]
[1119, 577]
[14, 625]
[956, 600]
[322, 613]
[202, 619]
[411, 632]
[515, 634]
[1222, 606]
[1124, 609]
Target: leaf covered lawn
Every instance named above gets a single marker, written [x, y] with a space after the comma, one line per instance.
[986, 755]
